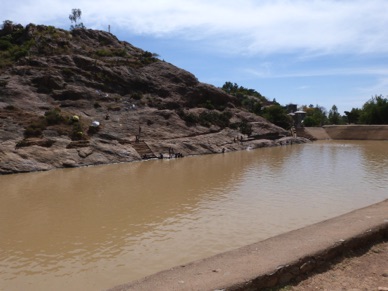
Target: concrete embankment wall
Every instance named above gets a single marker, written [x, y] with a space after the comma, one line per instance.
[349, 132]
[317, 132]
[277, 260]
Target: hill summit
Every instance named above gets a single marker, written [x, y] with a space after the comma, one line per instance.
[83, 97]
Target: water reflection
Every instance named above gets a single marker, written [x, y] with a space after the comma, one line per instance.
[375, 161]
[89, 228]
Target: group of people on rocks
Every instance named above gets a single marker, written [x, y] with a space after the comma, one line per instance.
[171, 154]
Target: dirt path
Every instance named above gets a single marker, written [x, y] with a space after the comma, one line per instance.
[365, 269]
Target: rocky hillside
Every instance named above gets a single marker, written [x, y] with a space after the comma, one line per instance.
[83, 97]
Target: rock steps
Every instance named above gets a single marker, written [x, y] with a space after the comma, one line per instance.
[143, 150]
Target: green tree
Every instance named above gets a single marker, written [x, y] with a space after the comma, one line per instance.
[353, 116]
[242, 92]
[229, 87]
[250, 99]
[334, 116]
[375, 111]
[278, 116]
[74, 17]
[7, 26]
[315, 116]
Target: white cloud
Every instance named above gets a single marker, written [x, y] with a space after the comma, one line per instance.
[379, 87]
[321, 72]
[245, 26]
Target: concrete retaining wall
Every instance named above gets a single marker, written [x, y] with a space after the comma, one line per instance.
[357, 132]
[318, 133]
[349, 132]
[277, 260]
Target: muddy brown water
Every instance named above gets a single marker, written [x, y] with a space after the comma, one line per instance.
[97, 227]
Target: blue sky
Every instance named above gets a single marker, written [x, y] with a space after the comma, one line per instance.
[295, 51]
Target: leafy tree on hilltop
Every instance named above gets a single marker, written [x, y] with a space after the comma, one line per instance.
[249, 98]
[74, 17]
[230, 88]
[241, 92]
[7, 26]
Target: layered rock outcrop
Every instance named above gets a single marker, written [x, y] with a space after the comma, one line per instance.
[56, 85]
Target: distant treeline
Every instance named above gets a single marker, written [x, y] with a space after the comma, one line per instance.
[374, 111]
